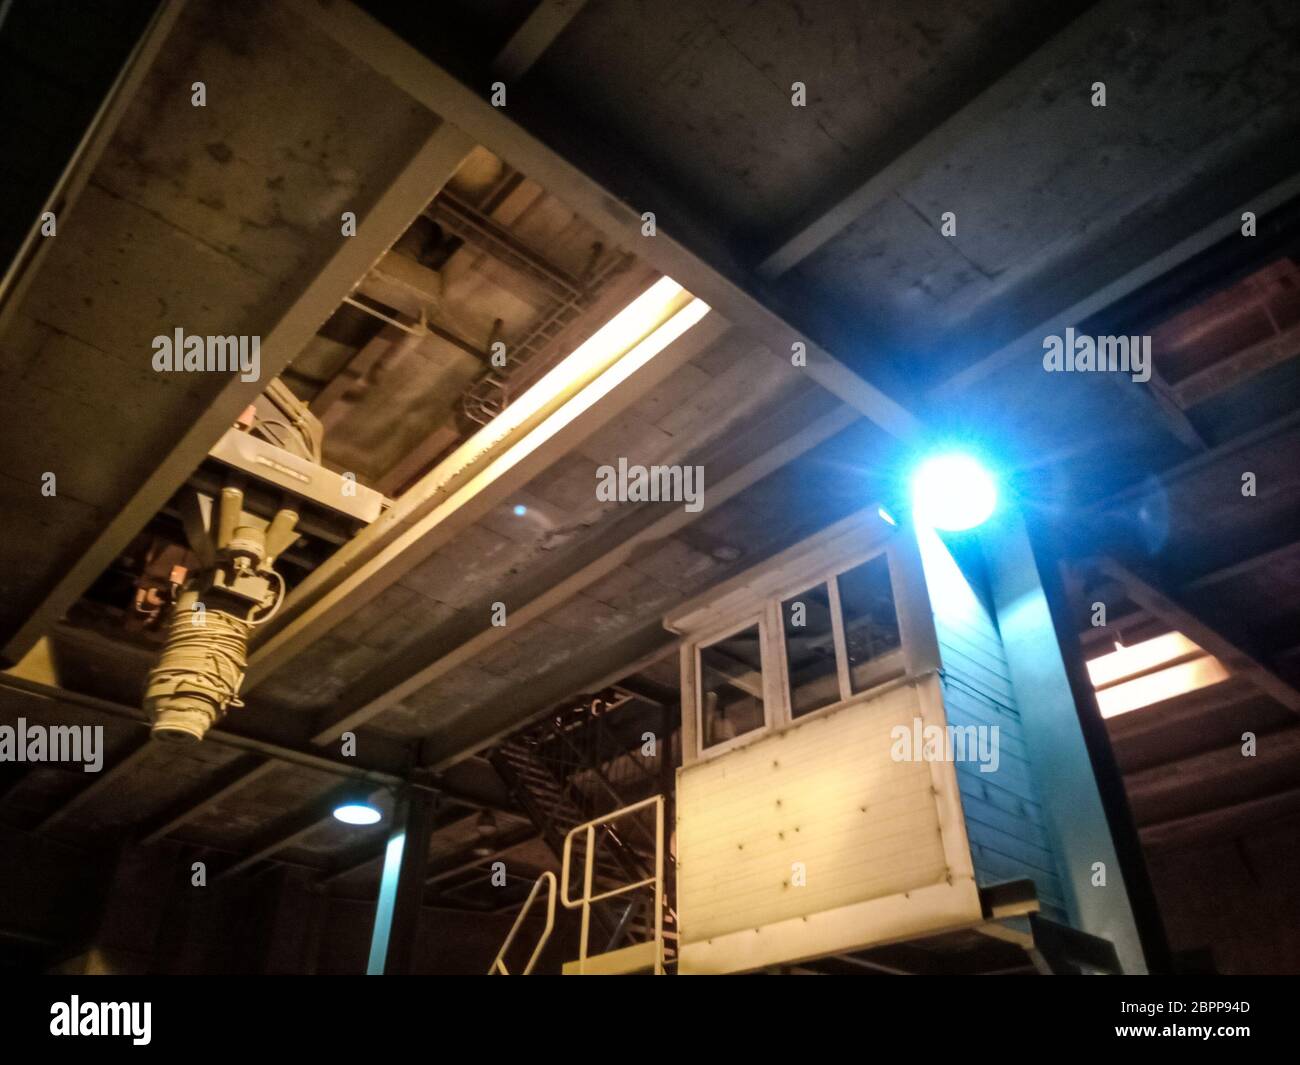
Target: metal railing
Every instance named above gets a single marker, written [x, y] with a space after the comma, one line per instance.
[499, 962]
[585, 902]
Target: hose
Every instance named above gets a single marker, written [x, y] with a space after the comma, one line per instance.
[199, 674]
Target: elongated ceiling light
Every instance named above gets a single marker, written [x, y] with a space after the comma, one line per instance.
[646, 326]
[1150, 672]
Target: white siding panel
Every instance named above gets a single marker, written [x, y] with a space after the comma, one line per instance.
[825, 793]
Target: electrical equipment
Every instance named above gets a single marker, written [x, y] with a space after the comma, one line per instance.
[260, 487]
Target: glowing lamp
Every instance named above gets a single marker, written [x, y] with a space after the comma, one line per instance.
[357, 813]
[953, 492]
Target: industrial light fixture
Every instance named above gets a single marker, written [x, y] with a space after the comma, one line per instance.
[637, 333]
[358, 813]
[609, 357]
[1152, 671]
[953, 492]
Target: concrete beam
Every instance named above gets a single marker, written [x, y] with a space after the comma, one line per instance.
[101, 785]
[472, 861]
[1220, 376]
[376, 774]
[1198, 464]
[430, 165]
[292, 829]
[598, 668]
[458, 502]
[412, 506]
[1161, 400]
[1217, 778]
[537, 33]
[1030, 344]
[988, 108]
[1252, 817]
[1286, 552]
[230, 779]
[491, 127]
[397, 680]
[63, 197]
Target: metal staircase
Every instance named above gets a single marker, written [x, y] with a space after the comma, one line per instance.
[647, 955]
[573, 771]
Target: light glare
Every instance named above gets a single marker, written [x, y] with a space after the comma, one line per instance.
[953, 493]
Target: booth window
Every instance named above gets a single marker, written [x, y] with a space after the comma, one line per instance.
[870, 624]
[731, 687]
[810, 651]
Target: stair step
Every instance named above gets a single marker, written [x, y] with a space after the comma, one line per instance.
[543, 780]
[638, 957]
[533, 772]
[542, 787]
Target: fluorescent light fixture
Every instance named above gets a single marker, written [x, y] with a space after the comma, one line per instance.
[953, 492]
[1125, 663]
[677, 322]
[885, 516]
[641, 320]
[1152, 671]
[618, 351]
[642, 329]
[357, 813]
[1162, 686]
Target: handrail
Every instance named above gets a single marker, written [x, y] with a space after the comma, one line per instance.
[498, 963]
[657, 801]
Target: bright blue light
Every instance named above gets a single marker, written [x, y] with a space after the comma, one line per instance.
[520, 510]
[383, 926]
[357, 813]
[885, 516]
[953, 492]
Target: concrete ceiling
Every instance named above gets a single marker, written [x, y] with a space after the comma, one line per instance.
[819, 222]
[199, 215]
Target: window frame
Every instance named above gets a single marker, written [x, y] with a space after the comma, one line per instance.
[760, 620]
[837, 639]
[899, 656]
[831, 576]
[916, 656]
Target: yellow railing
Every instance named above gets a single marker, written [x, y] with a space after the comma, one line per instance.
[585, 902]
[499, 963]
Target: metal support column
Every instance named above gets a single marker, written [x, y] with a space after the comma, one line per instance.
[1068, 743]
[401, 886]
